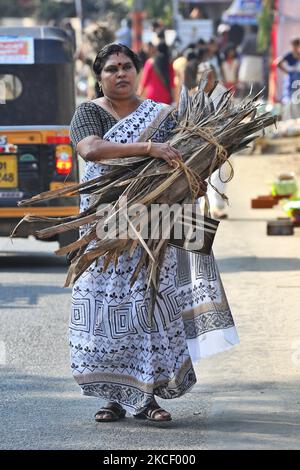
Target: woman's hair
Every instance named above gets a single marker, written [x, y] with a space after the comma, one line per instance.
[104, 54]
[161, 62]
[163, 49]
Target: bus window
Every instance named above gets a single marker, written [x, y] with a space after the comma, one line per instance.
[10, 88]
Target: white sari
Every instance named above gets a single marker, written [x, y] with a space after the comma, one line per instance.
[115, 353]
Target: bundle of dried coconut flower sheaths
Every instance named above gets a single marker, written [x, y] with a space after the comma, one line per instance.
[210, 127]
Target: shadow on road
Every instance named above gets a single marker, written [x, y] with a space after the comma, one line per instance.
[51, 414]
[19, 261]
[252, 263]
[54, 416]
[25, 296]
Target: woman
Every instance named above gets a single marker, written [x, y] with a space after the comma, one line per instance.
[157, 80]
[116, 354]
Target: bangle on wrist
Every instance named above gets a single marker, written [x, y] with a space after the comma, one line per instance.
[149, 146]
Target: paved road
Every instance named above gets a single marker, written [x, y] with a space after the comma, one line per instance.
[246, 398]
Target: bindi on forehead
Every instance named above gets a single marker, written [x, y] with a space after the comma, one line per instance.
[117, 64]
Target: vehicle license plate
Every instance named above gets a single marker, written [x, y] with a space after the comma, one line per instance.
[8, 171]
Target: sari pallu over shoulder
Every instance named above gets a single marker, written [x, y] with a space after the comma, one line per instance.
[150, 120]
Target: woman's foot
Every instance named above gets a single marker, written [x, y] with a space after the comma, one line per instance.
[154, 412]
[111, 412]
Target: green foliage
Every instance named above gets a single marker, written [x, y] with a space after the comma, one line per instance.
[265, 22]
[159, 9]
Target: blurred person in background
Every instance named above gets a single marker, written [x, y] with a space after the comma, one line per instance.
[196, 14]
[207, 68]
[195, 67]
[179, 65]
[222, 36]
[251, 71]
[66, 25]
[213, 56]
[123, 35]
[290, 65]
[158, 32]
[157, 79]
[230, 68]
[236, 34]
[148, 50]
[218, 206]
[191, 69]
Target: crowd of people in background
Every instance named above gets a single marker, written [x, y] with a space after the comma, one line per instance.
[234, 64]
[165, 71]
[166, 67]
[231, 58]
[163, 74]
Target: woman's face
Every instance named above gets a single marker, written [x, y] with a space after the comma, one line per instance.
[118, 76]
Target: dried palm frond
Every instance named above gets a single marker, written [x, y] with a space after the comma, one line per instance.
[209, 128]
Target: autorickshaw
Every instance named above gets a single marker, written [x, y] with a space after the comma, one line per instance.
[37, 101]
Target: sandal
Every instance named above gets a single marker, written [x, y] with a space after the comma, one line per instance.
[113, 410]
[154, 413]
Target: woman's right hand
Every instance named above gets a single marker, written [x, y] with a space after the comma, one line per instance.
[166, 152]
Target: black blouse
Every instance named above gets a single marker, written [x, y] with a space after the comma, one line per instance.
[90, 119]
